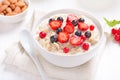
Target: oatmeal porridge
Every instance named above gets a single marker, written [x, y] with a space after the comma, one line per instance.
[67, 34]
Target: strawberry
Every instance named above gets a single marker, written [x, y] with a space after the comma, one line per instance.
[71, 17]
[55, 24]
[76, 40]
[83, 26]
[83, 37]
[69, 28]
[63, 37]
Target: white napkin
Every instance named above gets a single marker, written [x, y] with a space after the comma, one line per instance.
[17, 58]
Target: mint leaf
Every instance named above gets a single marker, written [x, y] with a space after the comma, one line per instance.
[112, 22]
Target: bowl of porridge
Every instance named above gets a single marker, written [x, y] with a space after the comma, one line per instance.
[68, 37]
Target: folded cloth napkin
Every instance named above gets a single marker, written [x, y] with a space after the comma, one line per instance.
[17, 57]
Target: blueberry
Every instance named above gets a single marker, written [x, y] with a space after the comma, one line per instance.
[81, 20]
[60, 18]
[58, 30]
[51, 19]
[53, 38]
[88, 34]
[75, 22]
[78, 33]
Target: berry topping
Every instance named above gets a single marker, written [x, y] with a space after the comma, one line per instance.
[42, 34]
[75, 22]
[51, 19]
[88, 34]
[86, 46]
[76, 41]
[66, 49]
[92, 27]
[83, 37]
[81, 20]
[82, 26]
[53, 38]
[69, 28]
[78, 33]
[63, 37]
[60, 18]
[71, 17]
[58, 30]
[55, 24]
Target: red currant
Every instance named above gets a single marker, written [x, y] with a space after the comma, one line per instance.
[92, 27]
[42, 34]
[66, 49]
[114, 31]
[86, 46]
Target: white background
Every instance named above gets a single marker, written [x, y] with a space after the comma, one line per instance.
[109, 68]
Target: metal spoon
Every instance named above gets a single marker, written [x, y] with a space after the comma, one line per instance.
[28, 44]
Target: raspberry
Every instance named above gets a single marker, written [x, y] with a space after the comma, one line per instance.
[118, 31]
[66, 49]
[116, 34]
[114, 31]
[117, 37]
[42, 34]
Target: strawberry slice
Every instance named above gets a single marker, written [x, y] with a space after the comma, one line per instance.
[71, 17]
[63, 37]
[76, 40]
[55, 24]
[83, 26]
[69, 28]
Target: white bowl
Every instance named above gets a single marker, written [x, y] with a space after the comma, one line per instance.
[71, 60]
[15, 18]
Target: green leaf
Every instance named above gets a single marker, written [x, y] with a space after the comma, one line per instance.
[112, 23]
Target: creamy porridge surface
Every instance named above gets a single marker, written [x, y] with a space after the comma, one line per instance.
[67, 34]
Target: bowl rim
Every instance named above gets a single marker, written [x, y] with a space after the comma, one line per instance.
[71, 11]
[27, 2]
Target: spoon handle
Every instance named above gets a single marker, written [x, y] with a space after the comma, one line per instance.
[28, 44]
[39, 67]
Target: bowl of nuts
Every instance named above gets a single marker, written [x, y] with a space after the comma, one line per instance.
[12, 11]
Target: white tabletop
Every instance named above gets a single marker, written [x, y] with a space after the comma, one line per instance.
[109, 67]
